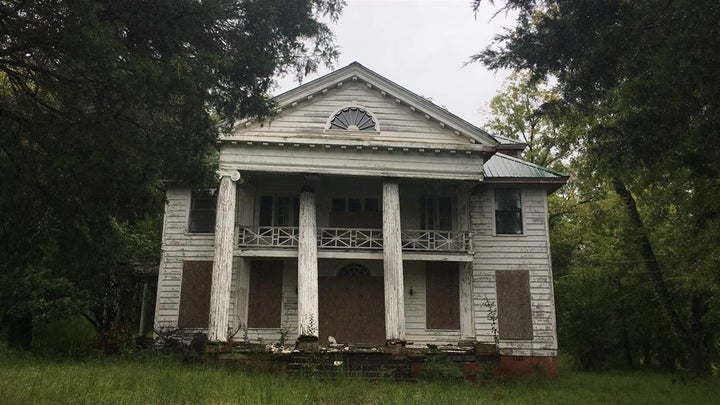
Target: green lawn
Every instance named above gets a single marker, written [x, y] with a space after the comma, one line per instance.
[27, 380]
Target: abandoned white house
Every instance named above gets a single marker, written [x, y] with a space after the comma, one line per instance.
[365, 214]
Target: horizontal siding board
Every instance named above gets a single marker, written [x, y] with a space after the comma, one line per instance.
[397, 122]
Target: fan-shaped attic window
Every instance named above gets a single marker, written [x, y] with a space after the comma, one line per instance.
[353, 119]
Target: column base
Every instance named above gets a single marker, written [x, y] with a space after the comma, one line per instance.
[468, 343]
[395, 346]
[307, 344]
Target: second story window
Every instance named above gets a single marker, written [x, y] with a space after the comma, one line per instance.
[436, 213]
[355, 212]
[508, 211]
[278, 211]
[202, 211]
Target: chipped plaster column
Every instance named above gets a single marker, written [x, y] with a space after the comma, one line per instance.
[307, 268]
[222, 260]
[393, 265]
[467, 316]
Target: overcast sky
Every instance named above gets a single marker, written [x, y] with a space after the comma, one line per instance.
[422, 46]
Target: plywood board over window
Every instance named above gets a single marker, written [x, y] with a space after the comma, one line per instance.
[442, 289]
[195, 294]
[513, 300]
[265, 296]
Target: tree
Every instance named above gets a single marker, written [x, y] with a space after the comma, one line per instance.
[526, 111]
[642, 73]
[101, 103]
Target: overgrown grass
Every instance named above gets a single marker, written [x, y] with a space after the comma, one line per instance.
[29, 380]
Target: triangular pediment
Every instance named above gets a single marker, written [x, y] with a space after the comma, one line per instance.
[304, 114]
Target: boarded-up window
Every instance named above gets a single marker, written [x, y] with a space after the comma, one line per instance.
[265, 296]
[442, 292]
[513, 300]
[195, 294]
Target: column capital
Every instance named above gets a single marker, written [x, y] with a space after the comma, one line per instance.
[233, 174]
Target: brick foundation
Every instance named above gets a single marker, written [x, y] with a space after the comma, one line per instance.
[528, 365]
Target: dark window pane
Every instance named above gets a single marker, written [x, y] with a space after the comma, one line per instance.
[202, 221]
[282, 215]
[508, 211]
[338, 205]
[266, 208]
[371, 205]
[296, 211]
[202, 211]
[444, 221]
[354, 205]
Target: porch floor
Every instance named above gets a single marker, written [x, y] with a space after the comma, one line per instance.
[371, 362]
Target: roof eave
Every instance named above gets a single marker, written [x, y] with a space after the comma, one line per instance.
[551, 184]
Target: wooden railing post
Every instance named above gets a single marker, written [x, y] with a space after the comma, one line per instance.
[393, 265]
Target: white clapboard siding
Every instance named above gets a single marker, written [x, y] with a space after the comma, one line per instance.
[336, 160]
[397, 122]
[178, 246]
[529, 251]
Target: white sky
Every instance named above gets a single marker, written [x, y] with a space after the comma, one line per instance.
[422, 46]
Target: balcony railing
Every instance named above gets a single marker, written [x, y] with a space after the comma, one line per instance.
[267, 236]
[354, 238]
[427, 240]
[350, 238]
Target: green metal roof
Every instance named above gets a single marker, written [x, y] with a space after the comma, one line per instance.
[507, 141]
[502, 168]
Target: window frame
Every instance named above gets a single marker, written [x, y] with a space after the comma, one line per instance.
[435, 216]
[363, 200]
[194, 212]
[518, 210]
[293, 215]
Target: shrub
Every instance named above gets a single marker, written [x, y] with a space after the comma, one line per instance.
[440, 369]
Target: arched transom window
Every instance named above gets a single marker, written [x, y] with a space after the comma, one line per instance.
[354, 270]
[353, 119]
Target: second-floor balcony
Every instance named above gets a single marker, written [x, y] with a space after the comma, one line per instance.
[355, 239]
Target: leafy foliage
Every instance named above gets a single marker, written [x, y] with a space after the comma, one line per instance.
[102, 103]
[639, 77]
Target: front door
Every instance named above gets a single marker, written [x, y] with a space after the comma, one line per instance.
[352, 309]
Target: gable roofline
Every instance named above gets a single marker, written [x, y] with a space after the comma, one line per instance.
[355, 71]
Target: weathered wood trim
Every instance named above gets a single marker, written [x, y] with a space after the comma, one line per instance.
[222, 261]
[392, 263]
[467, 315]
[319, 159]
[387, 88]
[307, 267]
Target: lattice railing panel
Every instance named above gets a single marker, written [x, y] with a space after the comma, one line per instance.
[355, 238]
[350, 238]
[426, 240]
[268, 236]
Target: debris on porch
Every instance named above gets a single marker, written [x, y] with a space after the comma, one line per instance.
[366, 361]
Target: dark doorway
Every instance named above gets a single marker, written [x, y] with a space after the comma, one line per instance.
[352, 309]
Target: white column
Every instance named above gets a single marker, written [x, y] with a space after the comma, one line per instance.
[222, 260]
[467, 318]
[393, 265]
[307, 267]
